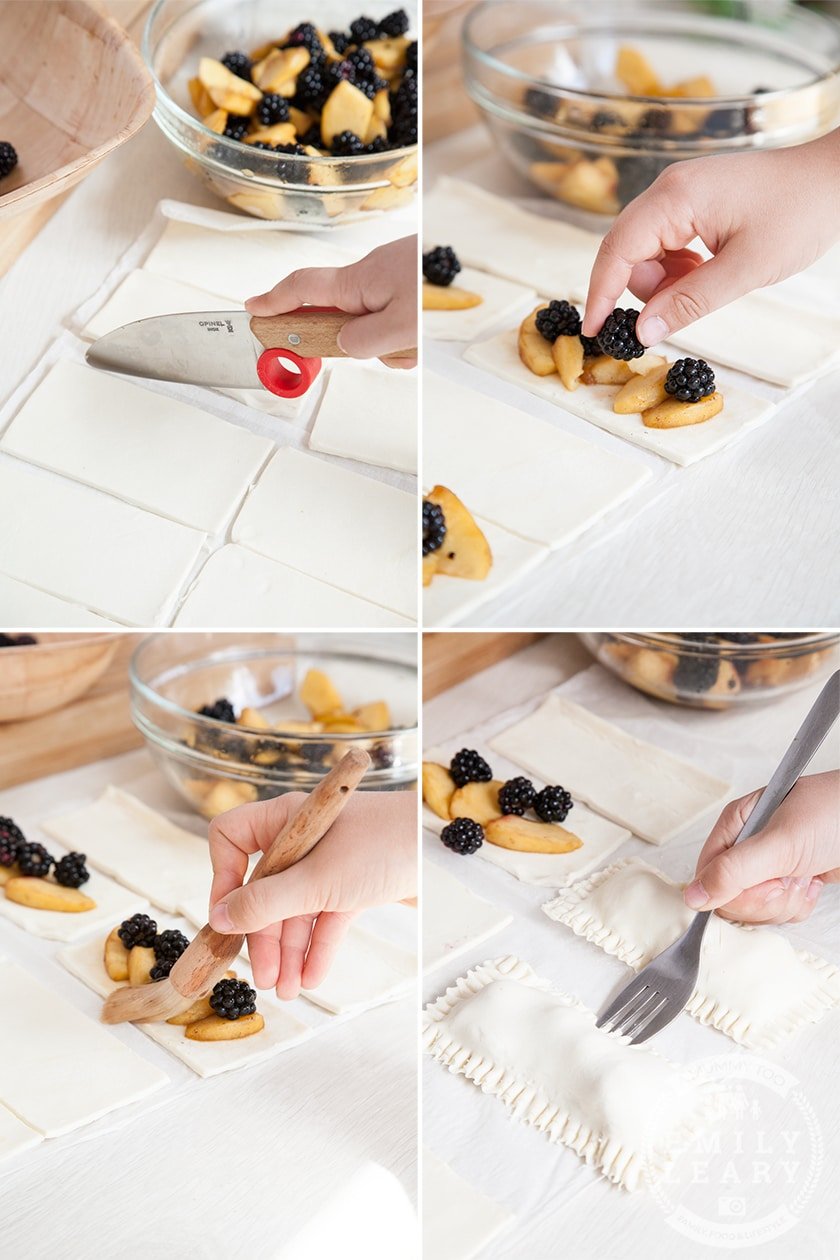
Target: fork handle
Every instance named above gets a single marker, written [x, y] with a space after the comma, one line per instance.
[819, 721]
[821, 717]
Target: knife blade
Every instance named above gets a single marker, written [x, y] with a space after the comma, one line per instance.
[215, 348]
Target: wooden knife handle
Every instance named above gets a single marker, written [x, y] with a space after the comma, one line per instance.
[210, 954]
[315, 331]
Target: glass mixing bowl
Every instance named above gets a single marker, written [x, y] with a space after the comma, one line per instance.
[313, 192]
[543, 75]
[716, 670]
[216, 765]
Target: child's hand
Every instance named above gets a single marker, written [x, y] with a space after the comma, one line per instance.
[381, 289]
[764, 216]
[776, 875]
[295, 921]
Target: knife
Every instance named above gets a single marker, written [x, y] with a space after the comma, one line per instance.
[226, 349]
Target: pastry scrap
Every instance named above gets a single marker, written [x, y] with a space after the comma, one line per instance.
[25, 874]
[666, 396]
[478, 807]
[440, 267]
[135, 952]
[312, 93]
[328, 716]
[453, 544]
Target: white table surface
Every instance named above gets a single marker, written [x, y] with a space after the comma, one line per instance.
[232, 1166]
[745, 537]
[563, 1208]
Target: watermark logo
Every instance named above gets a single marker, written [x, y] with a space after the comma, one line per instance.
[749, 1178]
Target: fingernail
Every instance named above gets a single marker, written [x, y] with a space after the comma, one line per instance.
[814, 889]
[773, 893]
[339, 340]
[652, 330]
[695, 895]
[220, 920]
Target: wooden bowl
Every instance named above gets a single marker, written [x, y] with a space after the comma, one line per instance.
[72, 88]
[46, 675]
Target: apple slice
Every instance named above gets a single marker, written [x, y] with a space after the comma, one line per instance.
[646, 363]
[225, 89]
[465, 551]
[279, 133]
[215, 1028]
[568, 358]
[320, 695]
[253, 718]
[42, 894]
[604, 370]
[141, 959]
[278, 71]
[478, 801]
[512, 832]
[9, 872]
[438, 788]
[534, 351]
[438, 297]
[226, 794]
[591, 186]
[345, 109]
[373, 717]
[641, 392]
[634, 70]
[115, 956]
[674, 414]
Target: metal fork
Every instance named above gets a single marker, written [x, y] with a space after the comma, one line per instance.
[660, 991]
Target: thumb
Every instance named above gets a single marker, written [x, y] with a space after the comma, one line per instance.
[698, 292]
[269, 900]
[726, 875]
[372, 336]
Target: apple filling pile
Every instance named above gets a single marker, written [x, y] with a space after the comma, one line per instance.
[453, 544]
[478, 807]
[665, 395]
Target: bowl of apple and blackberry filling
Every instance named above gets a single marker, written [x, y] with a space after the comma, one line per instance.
[287, 113]
[592, 102]
[720, 669]
[232, 719]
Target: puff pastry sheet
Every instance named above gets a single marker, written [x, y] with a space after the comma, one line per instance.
[753, 984]
[623, 1109]
[636, 784]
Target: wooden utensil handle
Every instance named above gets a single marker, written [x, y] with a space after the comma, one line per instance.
[315, 331]
[311, 331]
[211, 953]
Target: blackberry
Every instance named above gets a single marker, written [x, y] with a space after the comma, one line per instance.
[273, 108]
[315, 755]
[540, 103]
[618, 338]
[363, 29]
[233, 998]
[369, 87]
[637, 173]
[468, 766]
[377, 145]
[696, 673]
[71, 870]
[347, 144]
[33, 859]
[306, 36]
[606, 120]
[516, 796]
[340, 41]
[312, 137]
[169, 945]
[239, 63]
[689, 380]
[591, 349]
[382, 756]
[11, 838]
[462, 836]
[743, 638]
[404, 112]
[335, 73]
[17, 640]
[310, 88]
[261, 144]
[723, 123]
[394, 25]
[440, 265]
[411, 58]
[434, 527]
[558, 319]
[160, 970]
[362, 63]
[653, 122]
[552, 804]
[291, 147]
[236, 127]
[221, 711]
[138, 930]
[8, 158]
